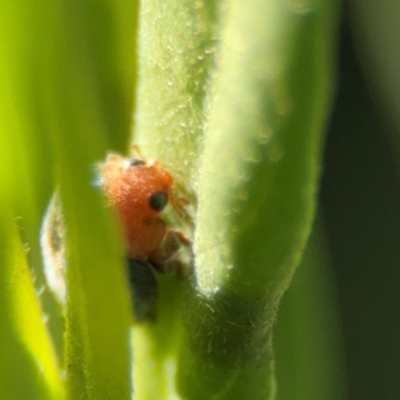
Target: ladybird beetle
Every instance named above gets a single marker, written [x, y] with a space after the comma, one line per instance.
[139, 190]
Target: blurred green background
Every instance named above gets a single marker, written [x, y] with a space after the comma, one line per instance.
[360, 207]
[356, 257]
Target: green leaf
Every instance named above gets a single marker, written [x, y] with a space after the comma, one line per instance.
[247, 138]
[178, 41]
[68, 76]
[27, 364]
[98, 309]
[259, 175]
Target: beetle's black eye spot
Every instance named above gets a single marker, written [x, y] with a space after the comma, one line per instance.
[158, 201]
[134, 162]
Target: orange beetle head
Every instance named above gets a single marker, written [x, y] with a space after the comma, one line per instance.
[138, 191]
[131, 185]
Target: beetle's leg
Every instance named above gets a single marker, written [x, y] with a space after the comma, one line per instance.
[163, 258]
